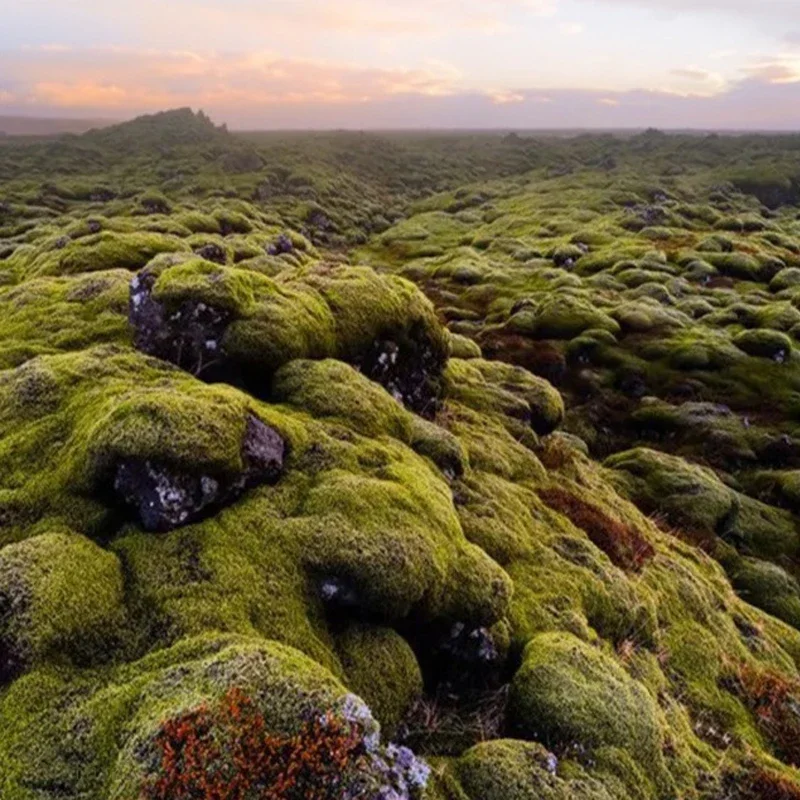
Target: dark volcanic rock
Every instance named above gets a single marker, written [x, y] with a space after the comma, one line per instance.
[462, 658]
[410, 371]
[166, 497]
[212, 252]
[283, 244]
[188, 337]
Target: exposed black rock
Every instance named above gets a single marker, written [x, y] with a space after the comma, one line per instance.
[102, 196]
[411, 371]
[155, 205]
[212, 252]
[461, 659]
[337, 594]
[189, 337]
[165, 497]
[283, 244]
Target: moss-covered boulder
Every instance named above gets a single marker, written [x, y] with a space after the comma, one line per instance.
[61, 597]
[242, 326]
[765, 344]
[515, 770]
[494, 386]
[696, 501]
[568, 693]
[560, 317]
[111, 738]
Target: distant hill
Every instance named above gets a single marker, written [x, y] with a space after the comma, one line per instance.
[42, 126]
[180, 126]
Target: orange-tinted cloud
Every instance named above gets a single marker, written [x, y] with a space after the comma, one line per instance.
[147, 80]
[776, 71]
[262, 89]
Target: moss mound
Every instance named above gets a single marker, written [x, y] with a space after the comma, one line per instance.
[332, 446]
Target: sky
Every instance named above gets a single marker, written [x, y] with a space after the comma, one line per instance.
[721, 64]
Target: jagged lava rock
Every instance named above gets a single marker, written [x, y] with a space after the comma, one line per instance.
[166, 498]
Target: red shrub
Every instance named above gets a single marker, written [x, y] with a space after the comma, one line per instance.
[624, 545]
[227, 754]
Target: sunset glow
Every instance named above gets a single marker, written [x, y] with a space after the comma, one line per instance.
[317, 63]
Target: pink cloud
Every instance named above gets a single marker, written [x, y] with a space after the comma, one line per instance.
[261, 89]
[145, 80]
[777, 71]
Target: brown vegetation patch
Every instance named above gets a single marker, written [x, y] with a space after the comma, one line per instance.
[539, 357]
[623, 544]
[774, 701]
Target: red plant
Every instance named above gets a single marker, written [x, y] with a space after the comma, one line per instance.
[623, 544]
[775, 703]
[227, 754]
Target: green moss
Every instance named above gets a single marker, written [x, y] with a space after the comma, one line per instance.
[736, 265]
[50, 315]
[517, 770]
[464, 348]
[764, 344]
[695, 500]
[569, 694]
[62, 598]
[367, 652]
[333, 390]
[322, 312]
[99, 738]
[107, 251]
[560, 318]
[770, 587]
[382, 521]
[690, 497]
[491, 386]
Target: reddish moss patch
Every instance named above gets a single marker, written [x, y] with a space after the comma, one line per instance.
[774, 701]
[624, 545]
[226, 752]
[539, 357]
[758, 783]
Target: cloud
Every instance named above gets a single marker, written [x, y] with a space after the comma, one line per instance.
[274, 19]
[144, 80]
[779, 70]
[504, 98]
[264, 89]
[758, 9]
[692, 74]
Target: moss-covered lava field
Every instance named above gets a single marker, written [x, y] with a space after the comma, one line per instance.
[340, 466]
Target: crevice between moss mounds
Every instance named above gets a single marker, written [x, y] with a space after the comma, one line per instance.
[165, 498]
[237, 326]
[409, 371]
